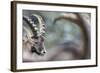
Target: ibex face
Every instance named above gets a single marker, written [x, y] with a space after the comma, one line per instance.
[38, 46]
[32, 40]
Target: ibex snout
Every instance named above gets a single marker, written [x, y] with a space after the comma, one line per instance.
[38, 50]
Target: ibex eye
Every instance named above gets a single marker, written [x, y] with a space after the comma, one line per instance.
[33, 49]
[34, 37]
[36, 42]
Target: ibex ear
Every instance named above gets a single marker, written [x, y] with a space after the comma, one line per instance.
[34, 19]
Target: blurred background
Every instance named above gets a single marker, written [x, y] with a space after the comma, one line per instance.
[64, 39]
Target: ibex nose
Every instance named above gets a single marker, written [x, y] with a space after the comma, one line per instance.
[43, 52]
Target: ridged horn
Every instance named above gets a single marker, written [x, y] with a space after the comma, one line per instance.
[41, 24]
[31, 25]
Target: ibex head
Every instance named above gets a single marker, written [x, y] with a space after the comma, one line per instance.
[34, 38]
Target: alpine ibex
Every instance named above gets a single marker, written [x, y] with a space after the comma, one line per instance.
[33, 37]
